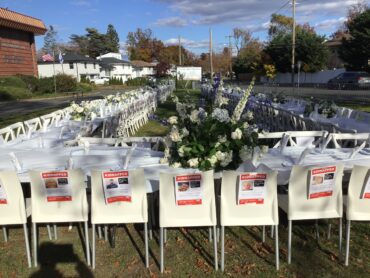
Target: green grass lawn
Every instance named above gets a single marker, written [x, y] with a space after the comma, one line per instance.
[188, 253]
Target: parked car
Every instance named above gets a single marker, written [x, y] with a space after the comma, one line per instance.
[100, 81]
[350, 80]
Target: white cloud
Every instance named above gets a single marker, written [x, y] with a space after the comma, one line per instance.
[328, 24]
[171, 22]
[188, 43]
[82, 3]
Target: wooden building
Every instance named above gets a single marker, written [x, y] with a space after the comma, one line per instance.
[17, 43]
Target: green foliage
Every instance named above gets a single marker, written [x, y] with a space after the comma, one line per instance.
[355, 51]
[309, 49]
[31, 81]
[183, 84]
[64, 82]
[116, 81]
[12, 81]
[85, 79]
[112, 39]
[84, 87]
[13, 93]
[138, 81]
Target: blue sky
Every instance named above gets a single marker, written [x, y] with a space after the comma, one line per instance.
[191, 19]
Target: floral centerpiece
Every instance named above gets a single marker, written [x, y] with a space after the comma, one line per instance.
[211, 139]
[86, 110]
[325, 108]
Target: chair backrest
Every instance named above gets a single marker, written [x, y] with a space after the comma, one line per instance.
[13, 212]
[6, 134]
[302, 207]
[358, 208]
[18, 129]
[172, 215]
[233, 214]
[33, 125]
[345, 138]
[119, 212]
[75, 210]
[305, 138]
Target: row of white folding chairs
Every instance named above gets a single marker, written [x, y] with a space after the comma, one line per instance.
[310, 138]
[295, 204]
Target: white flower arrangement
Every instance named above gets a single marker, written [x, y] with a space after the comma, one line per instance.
[222, 115]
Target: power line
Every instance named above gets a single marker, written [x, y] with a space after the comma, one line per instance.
[282, 7]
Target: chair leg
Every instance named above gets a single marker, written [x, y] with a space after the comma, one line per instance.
[99, 232]
[222, 248]
[317, 230]
[93, 246]
[277, 246]
[289, 241]
[340, 236]
[106, 232]
[161, 243]
[210, 234]
[87, 243]
[5, 234]
[215, 247]
[34, 231]
[165, 235]
[55, 232]
[217, 234]
[263, 234]
[348, 228]
[27, 245]
[146, 245]
[272, 231]
[329, 230]
[49, 232]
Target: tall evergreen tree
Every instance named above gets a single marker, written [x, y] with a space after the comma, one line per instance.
[112, 39]
[50, 40]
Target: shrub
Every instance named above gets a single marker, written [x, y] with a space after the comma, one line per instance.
[138, 81]
[46, 85]
[13, 93]
[85, 79]
[84, 88]
[32, 83]
[64, 82]
[12, 81]
[183, 84]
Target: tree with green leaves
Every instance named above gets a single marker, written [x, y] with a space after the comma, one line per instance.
[355, 51]
[112, 39]
[50, 40]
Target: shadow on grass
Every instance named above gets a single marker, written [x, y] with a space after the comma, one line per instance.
[51, 254]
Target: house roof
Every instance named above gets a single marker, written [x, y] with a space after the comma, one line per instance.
[71, 58]
[110, 60]
[142, 64]
[22, 22]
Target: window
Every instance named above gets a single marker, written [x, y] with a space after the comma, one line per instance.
[85, 65]
[71, 66]
[94, 66]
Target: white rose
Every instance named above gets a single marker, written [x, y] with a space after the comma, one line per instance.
[193, 162]
[194, 116]
[245, 125]
[237, 134]
[172, 120]
[176, 165]
[220, 156]
[212, 160]
[185, 132]
[79, 110]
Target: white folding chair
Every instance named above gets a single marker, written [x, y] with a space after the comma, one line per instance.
[252, 214]
[171, 215]
[17, 129]
[305, 138]
[6, 135]
[298, 206]
[14, 212]
[32, 125]
[346, 138]
[272, 135]
[135, 211]
[357, 208]
[75, 210]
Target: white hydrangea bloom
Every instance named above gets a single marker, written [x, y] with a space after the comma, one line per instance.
[222, 115]
[185, 132]
[228, 159]
[194, 116]
[175, 135]
[246, 153]
[181, 151]
[213, 160]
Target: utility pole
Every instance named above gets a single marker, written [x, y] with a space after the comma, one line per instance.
[179, 51]
[231, 56]
[293, 44]
[210, 53]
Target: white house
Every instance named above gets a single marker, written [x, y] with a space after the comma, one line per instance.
[112, 65]
[142, 69]
[73, 64]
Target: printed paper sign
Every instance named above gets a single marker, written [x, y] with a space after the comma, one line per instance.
[188, 190]
[322, 182]
[366, 194]
[57, 186]
[116, 187]
[252, 187]
[3, 199]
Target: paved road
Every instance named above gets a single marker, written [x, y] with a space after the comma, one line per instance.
[27, 106]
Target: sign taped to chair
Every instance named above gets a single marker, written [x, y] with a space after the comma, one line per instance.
[252, 188]
[322, 182]
[57, 186]
[188, 189]
[116, 187]
[366, 194]
[3, 198]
